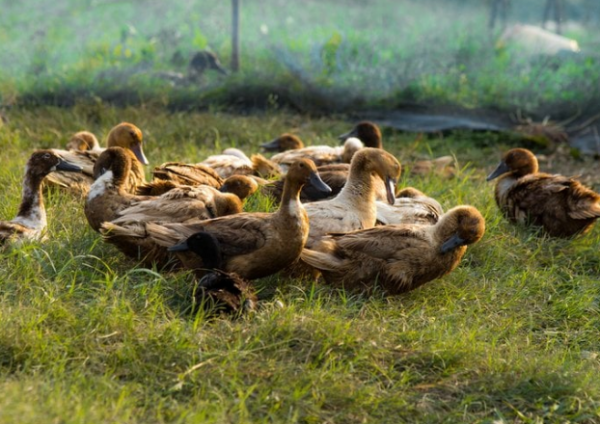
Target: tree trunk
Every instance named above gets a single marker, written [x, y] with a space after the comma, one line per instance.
[235, 35]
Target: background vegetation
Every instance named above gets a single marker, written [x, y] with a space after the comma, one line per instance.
[315, 56]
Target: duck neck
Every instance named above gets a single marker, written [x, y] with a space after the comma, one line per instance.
[31, 211]
[290, 200]
[360, 187]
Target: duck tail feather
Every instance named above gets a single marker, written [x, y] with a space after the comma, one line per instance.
[320, 260]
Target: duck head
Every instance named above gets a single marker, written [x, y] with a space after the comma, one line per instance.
[204, 245]
[302, 172]
[127, 136]
[282, 143]
[378, 163]
[367, 132]
[519, 162]
[114, 160]
[82, 141]
[461, 226]
[351, 146]
[240, 185]
[43, 162]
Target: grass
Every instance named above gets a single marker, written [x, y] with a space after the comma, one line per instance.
[326, 57]
[512, 335]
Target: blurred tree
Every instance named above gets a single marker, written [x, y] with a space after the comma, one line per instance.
[235, 35]
[558, 6]
[499, 7]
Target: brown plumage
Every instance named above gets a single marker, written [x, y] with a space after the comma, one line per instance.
[320, 155]
[187, 174]
[410, 207]
[124, 135]
[562, 206]
[108, 201]
[396, 258]
[30, 221]
[367, 132]
[253, 245]
[354, 207]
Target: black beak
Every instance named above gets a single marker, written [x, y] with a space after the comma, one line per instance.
[390, 190]
[224, 188]
[452, 243]
[501, 169]
[219, 68]
[209, 281]
[63, 165]
[317, 182]
[271, 146]
[346, 136]
[181, 247]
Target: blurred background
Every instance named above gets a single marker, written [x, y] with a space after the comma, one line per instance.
[534, 58]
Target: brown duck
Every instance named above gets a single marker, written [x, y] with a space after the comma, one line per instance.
[410, 207]
[253, 245]
[30, 221]
[562, 206]
[124, 135]
[396, 258]
[108, 201]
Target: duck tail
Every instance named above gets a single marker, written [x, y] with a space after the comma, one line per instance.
[584, 204]
[166, 236]
[321, 260]
[113, 231]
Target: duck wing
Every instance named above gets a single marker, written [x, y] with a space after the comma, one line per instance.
[188, 174]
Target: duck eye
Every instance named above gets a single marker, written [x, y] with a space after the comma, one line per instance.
[46, 156]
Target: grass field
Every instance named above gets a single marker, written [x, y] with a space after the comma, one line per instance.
[511, 336]
[313, 56]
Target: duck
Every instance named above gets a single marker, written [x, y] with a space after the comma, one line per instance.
[396, 258]
[410, 207]
[30, 222]
[124, 135]
[108, 201]
[83, 141]
[219, 291]
[561, 206]
[320, 155]
[370, 134]
[354, 207]
[253, 244]
[234, 161]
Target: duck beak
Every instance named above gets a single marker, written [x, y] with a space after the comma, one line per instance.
[347, 135]
[501, 169]
[390, 190]
[63, 165]
[139, 154]
[224, 188]
[209, 281]
[316, 181]
[181, 247]
[271, 146]
[452, 243]
[219, 68]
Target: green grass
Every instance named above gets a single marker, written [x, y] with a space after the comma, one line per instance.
[512, 335]
[322, 56]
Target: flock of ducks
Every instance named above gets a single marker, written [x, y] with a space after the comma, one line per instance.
[340, 215]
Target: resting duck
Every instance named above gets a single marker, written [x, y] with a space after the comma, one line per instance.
[410, 207]
[107, 199]
[397, 258]
[253, 245]
[30, 221]
[83, 141]
[240, 185]
[562, 206]
[124, 135]
[354, 207]
[233, 161]
[218, 291]
[320, 155]
[370, 134]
